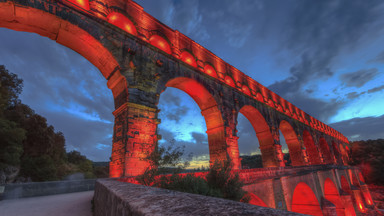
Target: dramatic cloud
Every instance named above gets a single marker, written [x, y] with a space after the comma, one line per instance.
[359, 78]
[376, 89]
[361, 128]
[318, 31]
[177, 113]
[378, 59]
[354, 95]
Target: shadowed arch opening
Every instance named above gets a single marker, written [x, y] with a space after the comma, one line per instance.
[212, 116]
[293, 144]
[331, 193]
[327, 155]
[304, 200]
[313, 153]
[263, 133]
[27, 19]
[255, 200]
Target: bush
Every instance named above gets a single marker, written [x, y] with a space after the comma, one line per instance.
[220, 181]
[221, 177]
[39, 168]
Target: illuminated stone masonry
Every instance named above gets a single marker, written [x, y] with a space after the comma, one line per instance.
[140, 57]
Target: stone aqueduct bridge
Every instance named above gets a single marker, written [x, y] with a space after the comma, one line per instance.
[140, 57]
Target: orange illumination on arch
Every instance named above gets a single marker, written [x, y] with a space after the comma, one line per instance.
[332, 194]
[188, 58]
[345, 185]
[83, 4]
[264, 135]
[122, 22]
[361, 177]
[312, 151]
[327, 155]
[208, 69]
[246, 90]
[349, 209]
[259, 97]
[293, 143]
[160, 43]
[229, 81]
[212, 116]
[255, 200]
[304, 201]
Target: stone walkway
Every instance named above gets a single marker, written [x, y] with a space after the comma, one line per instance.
[73, 204]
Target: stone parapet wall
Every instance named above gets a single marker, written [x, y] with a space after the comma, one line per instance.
[121, 199]
[14, 191]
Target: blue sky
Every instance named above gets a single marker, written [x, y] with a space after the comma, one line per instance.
[325, 57]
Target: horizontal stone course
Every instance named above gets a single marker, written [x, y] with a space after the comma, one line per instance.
[122, 199]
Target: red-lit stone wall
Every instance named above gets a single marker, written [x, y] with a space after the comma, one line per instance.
[139, 56]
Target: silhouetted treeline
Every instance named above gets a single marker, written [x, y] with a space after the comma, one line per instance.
[369, 155]
[255, 161]
[30, 149]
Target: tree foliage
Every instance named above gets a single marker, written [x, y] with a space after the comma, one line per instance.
[165, 171]
[11, 134]
[10, 88]
[369, 155]
[28, 142]
[162, 160]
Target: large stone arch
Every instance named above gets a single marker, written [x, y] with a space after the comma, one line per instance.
[304, 200]
[331, 193]
[294, 146]
[327, 155]
[313, 153]
[212, 115]
[264, 135]
[29, 19]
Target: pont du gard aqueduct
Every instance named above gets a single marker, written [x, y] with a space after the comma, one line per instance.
[140, 57]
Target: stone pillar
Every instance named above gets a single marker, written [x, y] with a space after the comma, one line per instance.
[304, 154]
[347, 203]
[276, 151]
[366, 194]
[278, 192]
[233, 151]
[134, 138]
[358, 199]
[221, 130]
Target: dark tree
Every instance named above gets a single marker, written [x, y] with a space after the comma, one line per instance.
[11, 135]
[369, 155]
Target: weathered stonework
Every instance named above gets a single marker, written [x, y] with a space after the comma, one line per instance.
[116, 198]
[140, 57]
